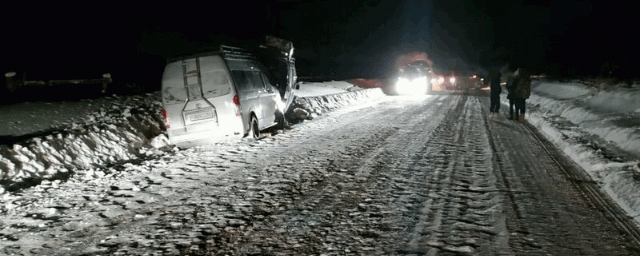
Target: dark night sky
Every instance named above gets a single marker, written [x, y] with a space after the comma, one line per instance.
[352, 38]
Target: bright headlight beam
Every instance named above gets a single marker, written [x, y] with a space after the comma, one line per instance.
[412, 87]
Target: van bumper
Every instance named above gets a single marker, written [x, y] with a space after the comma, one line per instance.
[193, 139]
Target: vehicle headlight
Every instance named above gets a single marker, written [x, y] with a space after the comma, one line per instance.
[452, 80]
[441, 80]
[413, 86]
[434, 80]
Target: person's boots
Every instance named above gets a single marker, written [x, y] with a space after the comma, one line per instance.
[521, 118]
[510, 114]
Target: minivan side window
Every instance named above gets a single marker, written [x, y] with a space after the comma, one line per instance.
[241, 79]
[255, 80]
[265, 79]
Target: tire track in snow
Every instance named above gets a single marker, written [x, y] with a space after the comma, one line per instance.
[459, 214]
[552, 217]
[400, 177]
[344, 189]
[408, 198]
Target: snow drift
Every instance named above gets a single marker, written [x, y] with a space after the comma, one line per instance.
[104, 137]
[609, 114]
[586, 123]
[129, 129]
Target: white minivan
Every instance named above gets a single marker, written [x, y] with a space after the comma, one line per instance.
[219, 95]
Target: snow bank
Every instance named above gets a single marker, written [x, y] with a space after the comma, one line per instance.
[120, 129]
[110, 134]
[324, 88]
[620, 100]
[612, 114]
[580, 119]
[317, 105]
[562, 91]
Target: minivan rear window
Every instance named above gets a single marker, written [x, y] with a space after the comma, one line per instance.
[215, 83]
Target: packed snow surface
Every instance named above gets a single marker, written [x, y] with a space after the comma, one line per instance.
[52, 140]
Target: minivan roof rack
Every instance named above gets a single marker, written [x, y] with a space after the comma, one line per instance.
[230, 52]
[227, 52]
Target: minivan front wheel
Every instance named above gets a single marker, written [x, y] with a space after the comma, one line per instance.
[254, 132]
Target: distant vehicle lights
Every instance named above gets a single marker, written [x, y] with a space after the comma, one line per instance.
[445, 82]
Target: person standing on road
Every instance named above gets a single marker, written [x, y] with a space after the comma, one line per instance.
[511, 90]
[522, 93]
[494, 83]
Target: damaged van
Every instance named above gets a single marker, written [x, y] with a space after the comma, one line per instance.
[218, 95]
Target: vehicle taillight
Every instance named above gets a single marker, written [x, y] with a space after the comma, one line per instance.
[236, 100]
[165, 118]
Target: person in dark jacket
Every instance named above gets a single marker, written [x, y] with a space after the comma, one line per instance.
[522, 93]
[494, 84]
[511, 90]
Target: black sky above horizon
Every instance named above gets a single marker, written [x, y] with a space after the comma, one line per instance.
[349, 38]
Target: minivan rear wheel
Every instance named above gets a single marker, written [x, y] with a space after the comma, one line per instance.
[254, 132]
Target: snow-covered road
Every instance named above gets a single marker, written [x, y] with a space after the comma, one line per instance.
[393, 176]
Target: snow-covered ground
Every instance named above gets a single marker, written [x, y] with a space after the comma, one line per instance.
[57, 139]
[51, 140]
[584, 122]
[325, 88]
